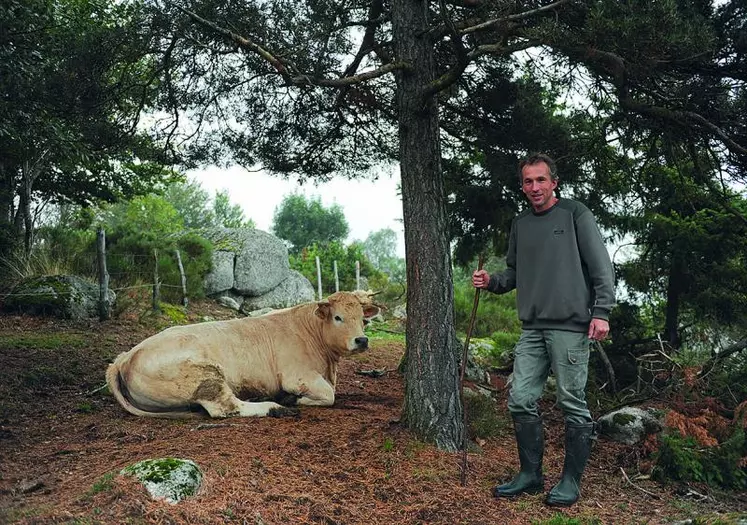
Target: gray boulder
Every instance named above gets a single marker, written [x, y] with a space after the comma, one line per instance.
[489, 351]
[630, 425]
[400, 312]
[168, 479]
[230, 299]
[65, 296]
[295, 289]
[220, 277]
[260, 312]
[260, 263]
[475, 371]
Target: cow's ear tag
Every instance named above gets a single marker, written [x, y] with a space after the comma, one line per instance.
[322, 310]
[370, 311]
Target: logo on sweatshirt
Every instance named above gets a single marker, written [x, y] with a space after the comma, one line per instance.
[558, 231]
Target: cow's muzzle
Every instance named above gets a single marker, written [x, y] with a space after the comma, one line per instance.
[361, 343]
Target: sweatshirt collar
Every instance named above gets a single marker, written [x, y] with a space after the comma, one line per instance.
[548, 210]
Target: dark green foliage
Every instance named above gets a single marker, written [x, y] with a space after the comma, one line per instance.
[104, 484]
[728, 381]
[496, 314]
[196, 254]
[149, 229]
[75, 76]
[682, 459]
[198, 209]
[346, 257]
[304, 222]
[484, 419]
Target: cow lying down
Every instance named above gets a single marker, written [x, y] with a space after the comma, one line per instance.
[233, 368]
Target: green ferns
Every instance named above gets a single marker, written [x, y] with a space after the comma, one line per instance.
[683, 459]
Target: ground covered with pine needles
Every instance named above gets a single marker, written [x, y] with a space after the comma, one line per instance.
[63, 441]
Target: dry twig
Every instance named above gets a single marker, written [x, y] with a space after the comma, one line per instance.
[636, 486]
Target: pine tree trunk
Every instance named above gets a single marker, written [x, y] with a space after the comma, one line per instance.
[432, 408]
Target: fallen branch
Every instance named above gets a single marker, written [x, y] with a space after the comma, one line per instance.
[374, 372]
[637, 487]
[90, 392]
[204, 426]
[607, 365]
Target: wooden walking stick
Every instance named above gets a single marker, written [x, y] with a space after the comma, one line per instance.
[461, 377]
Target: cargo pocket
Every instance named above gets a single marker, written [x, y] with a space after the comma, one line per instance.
[578, 363]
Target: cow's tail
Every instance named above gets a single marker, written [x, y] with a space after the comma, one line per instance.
[118, 388]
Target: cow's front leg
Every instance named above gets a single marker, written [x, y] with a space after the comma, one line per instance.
[313, 391]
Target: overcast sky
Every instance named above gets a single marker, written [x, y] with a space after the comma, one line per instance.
[368, 205]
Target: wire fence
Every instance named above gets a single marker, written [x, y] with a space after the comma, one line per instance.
[122, 272]
[162, 271]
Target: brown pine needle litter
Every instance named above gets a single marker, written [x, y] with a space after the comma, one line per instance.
[354, 463]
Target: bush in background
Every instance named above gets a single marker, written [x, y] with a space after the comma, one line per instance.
[683, 458]
[496, 317]
[346, 257]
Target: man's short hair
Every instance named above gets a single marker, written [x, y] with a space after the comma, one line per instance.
[536, 158]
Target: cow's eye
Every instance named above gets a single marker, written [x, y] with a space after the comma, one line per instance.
[365, 322]
[338, 318]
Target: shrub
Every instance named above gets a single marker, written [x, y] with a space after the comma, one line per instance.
[495, 313]
[683, 459]
[196, 254]
[483, 417]
[346, 256]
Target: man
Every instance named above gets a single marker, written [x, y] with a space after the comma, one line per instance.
[564, 281]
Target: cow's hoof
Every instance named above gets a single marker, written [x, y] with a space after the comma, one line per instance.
[284, 412]
[286, 399]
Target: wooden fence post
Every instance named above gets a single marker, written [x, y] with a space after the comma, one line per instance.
[337, 279]
[185, 301]
[103, 275]
[156, 284]
[319, 277]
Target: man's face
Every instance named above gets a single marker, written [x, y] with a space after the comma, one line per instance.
[538, 186]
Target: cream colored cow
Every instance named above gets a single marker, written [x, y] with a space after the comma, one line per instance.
[208, 368]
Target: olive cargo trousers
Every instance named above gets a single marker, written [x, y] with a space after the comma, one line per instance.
[567, 354]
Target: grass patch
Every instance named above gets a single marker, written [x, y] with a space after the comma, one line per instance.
[42, 341]
[384, 334]
[85, 408]
[430, 474]
[44, 376]
[104, 484]
[14, 515]
[562, 519]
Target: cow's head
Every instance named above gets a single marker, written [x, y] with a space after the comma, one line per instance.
[344, 315]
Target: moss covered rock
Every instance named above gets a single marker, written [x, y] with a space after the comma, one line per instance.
[66, 296]
[631, 425]
[170, 479]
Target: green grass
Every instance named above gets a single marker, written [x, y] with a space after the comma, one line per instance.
[562, 519]
[42, 341]
[104, 484]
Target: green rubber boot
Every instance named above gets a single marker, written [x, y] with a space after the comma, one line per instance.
[530, 441]
[577, 448]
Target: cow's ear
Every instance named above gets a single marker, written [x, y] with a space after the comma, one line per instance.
[370, 311]
[322, 309]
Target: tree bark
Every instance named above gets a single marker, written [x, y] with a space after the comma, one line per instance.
[432, 408]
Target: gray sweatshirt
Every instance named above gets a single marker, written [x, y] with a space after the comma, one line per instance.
[560, 268]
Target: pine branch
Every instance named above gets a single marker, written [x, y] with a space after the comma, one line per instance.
[290, 77]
